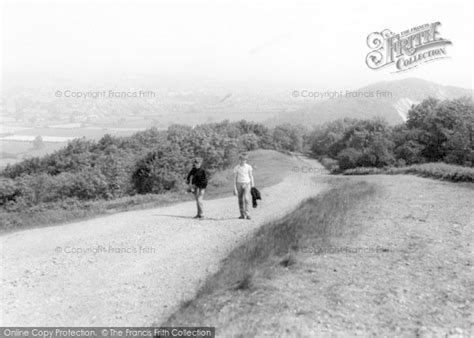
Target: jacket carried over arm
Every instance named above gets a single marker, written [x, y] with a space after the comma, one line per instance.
[255, 196]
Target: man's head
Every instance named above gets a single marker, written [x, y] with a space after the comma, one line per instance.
[197, 162]
[243, 158]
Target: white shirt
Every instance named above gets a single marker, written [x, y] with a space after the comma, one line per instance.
[243, 173]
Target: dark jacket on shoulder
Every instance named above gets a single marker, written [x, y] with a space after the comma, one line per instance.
[255, 196]
[198, 178]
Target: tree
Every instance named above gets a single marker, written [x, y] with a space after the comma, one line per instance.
[159, 171]
[38, 142]
[444, 129]
[348, 158]
[288, 137]
[325, 139]
[406, 144]
[372, 141]
[249, 142]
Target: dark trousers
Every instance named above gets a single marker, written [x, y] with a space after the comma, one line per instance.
[199, 195]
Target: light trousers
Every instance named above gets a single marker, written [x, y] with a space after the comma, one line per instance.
[243, 194]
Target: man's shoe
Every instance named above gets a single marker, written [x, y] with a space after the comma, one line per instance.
[242, 217]
[248, 217]
[197, 216]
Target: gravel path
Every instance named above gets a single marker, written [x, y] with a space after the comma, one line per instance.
[131, 268]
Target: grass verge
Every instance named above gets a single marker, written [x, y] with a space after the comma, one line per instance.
[246, 274]
[441, 171]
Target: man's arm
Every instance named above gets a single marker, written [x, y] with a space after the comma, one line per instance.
[235, 182]
[204, 177]
[188, 179]
[251, 178]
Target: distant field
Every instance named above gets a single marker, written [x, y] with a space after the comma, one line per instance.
[11, 129]
[90, 133]
[23, 150]
[31, 138]
[5, 161]
[13, 147]
[16, 147]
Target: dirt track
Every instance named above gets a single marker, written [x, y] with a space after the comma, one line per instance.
[132, 268]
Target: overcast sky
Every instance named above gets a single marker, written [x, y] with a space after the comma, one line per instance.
[314, 44]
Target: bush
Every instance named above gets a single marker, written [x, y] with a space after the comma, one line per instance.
[364, 171]
[42, 188]
[330, 164]
[442, 171]
[9, 190]
[249, 142]
[160, 171]
[348, 158]
[288, 137]
[366, 160]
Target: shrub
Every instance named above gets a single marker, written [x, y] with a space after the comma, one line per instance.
[249, 142]
[440, 170]
[348, 158]
[9, 190]
[288, 137]
[330, 164]
[159, 171]
[364, 171]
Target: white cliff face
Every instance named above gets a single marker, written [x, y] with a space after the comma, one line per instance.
[442, 94]
[402, 106]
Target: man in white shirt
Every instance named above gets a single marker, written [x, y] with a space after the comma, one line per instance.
[243, 182]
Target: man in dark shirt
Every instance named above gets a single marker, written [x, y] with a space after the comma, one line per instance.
[198, 180]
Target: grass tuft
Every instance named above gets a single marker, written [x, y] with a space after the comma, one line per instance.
[244, 284]
[288, 260]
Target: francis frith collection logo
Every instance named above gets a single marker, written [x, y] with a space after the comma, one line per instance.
[407, 49]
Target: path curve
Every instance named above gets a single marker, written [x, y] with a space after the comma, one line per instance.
[135, 267]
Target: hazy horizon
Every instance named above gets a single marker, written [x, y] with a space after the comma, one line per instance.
[251, 45]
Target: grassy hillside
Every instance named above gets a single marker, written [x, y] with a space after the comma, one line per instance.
[270, 167]
[375, 256]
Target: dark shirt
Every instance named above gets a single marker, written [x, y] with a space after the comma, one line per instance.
[199, 178]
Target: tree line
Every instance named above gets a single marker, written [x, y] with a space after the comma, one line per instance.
[435, 131]
[152, 161]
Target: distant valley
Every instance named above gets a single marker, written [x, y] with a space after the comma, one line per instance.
[27, 114]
